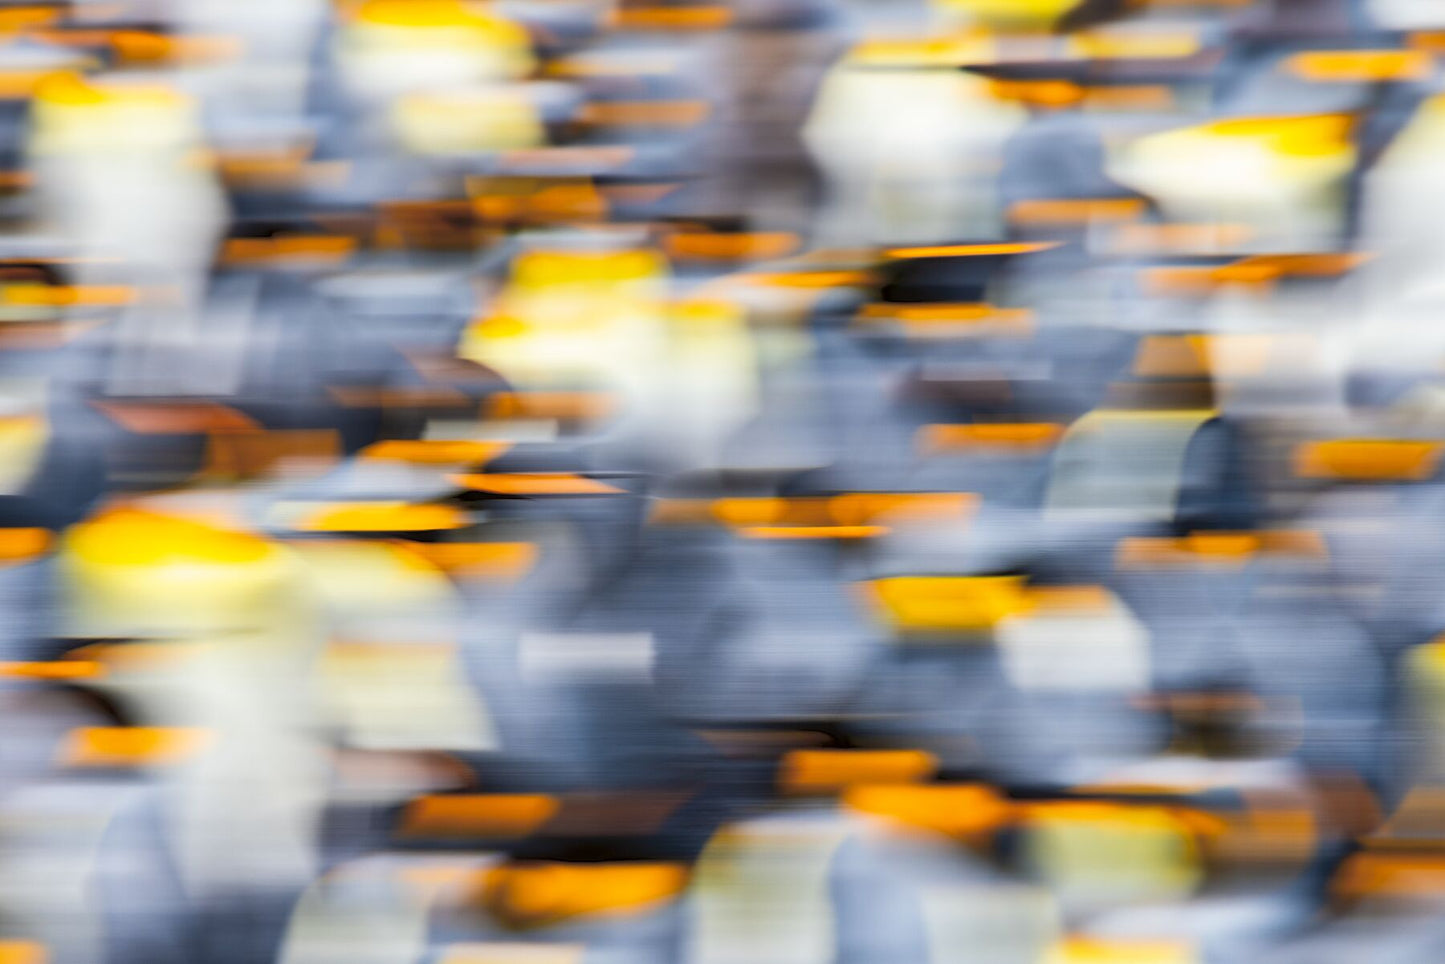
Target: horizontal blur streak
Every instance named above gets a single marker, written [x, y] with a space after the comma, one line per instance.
[753, 482]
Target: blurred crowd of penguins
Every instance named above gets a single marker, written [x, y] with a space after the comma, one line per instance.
[753, 482]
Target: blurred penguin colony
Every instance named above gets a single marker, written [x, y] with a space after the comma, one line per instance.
[753, 482]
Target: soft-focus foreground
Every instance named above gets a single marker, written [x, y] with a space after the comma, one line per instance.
[754, 482]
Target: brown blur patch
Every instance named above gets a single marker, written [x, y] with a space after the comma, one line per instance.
[679, 512]
[1418, 822]
[669, 18]
[250, 455]
[422, 769]
[1125, 97]
[1057, 211]
[1345, 804]
[1218, 548]
[538, 200]
[623, 813]
[418, 397]
[645, 113]
[135, 657]
[143, 47]
[1171, 356]
[309, 249]
[1200, 702]
[1385, 875]
[585, 155]
[21, 336]
[284, 169]
[1161, 398]
[176, 418]
[740, 246]
[636, 193]
[574, 406]
[1257, 271]
[1276, 828]
[446, 368]
[1069, 599]
[447, 225]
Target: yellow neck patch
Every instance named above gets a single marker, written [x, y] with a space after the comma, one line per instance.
[134, 537]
